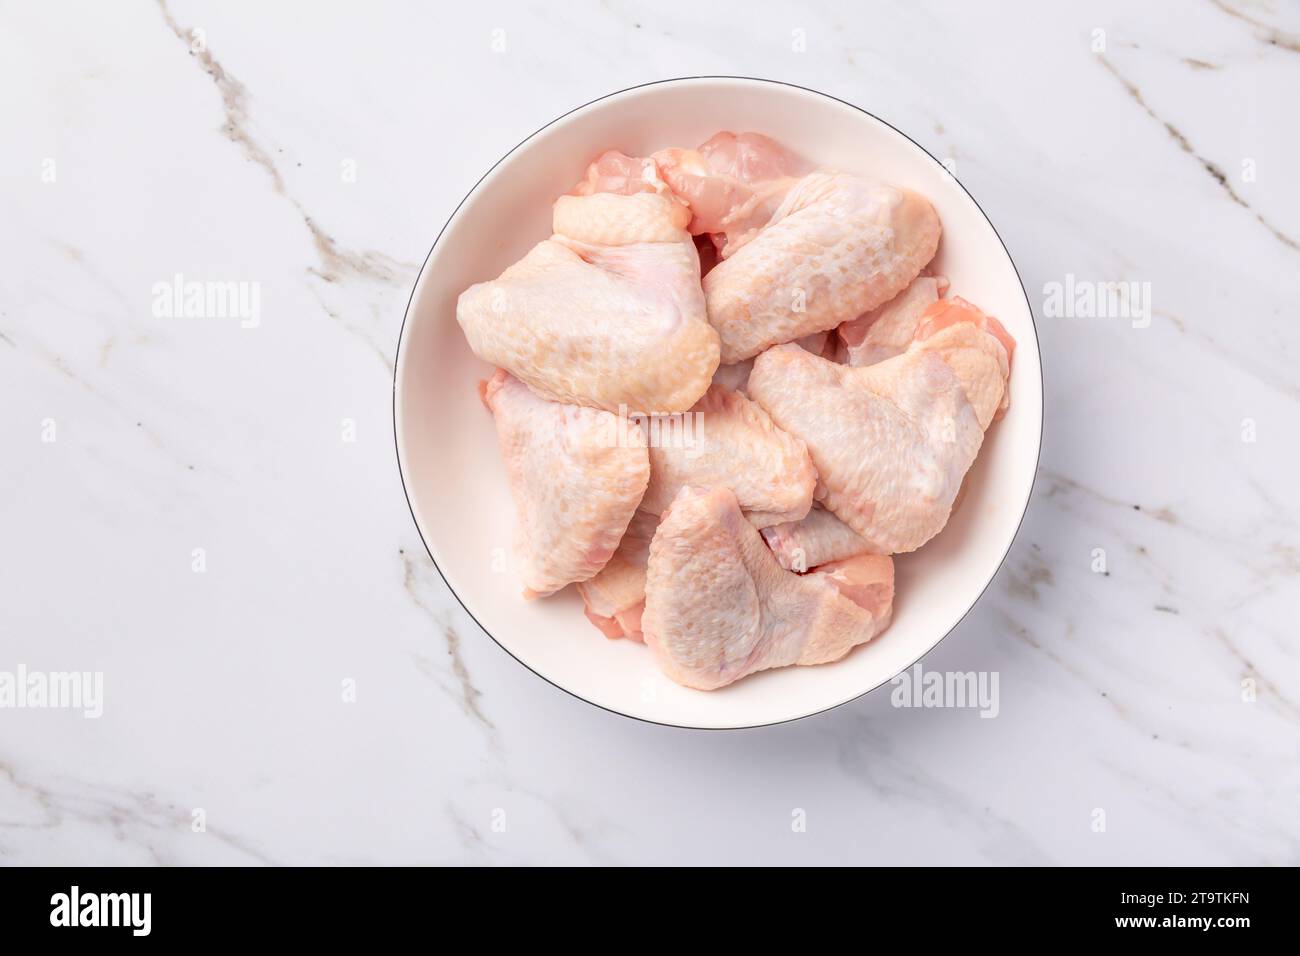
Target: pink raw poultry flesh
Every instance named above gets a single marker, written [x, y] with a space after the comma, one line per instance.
[719, 607]
[893, 441]
[765, 540]
[888, 330]
[727, 439]
[733, 184]
[596, 470]
[615, 597]
[608, 312]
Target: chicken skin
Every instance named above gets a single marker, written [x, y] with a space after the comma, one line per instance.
[728, 440]
[719, 607]
[735, 377]
[968, 340]
[838, 245]
[733, 184]
[893, 441]
[616, 172]
[887, 331]
[817, 539]
[608, 312]
[595, 469]
[615, 598]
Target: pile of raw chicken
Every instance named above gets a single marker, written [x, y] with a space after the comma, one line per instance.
[831, 397]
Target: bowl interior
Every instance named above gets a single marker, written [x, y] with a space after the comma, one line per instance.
[447, 444]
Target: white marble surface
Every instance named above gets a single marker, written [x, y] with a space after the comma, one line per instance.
[1119, 691]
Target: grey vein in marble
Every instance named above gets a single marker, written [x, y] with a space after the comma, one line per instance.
[1265, 32]
[336, 262]
[1216, 173]
[467, 695]
[136, 818]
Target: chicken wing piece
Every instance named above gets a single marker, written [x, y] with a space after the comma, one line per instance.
[595, 469]
[725, 439]
[615, 597]
[887, 331]
[608, 312]
[968, 340]
[817, 539]
[838, 245]
[892, 441]
[616, 172]
[733, 184]
[719, 607]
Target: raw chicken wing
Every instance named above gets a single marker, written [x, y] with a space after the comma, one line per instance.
[817, 539]
[968, 340]
[576, 475]
[887, 331]
[615, 172]
[608, 312]
[719, 607]
[892, 441]
[838, 246]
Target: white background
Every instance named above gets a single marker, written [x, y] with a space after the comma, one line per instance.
[1167, 157]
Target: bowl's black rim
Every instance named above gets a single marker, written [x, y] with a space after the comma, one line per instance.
[397, 364]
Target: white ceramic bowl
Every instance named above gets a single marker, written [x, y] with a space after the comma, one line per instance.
[446, 442]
